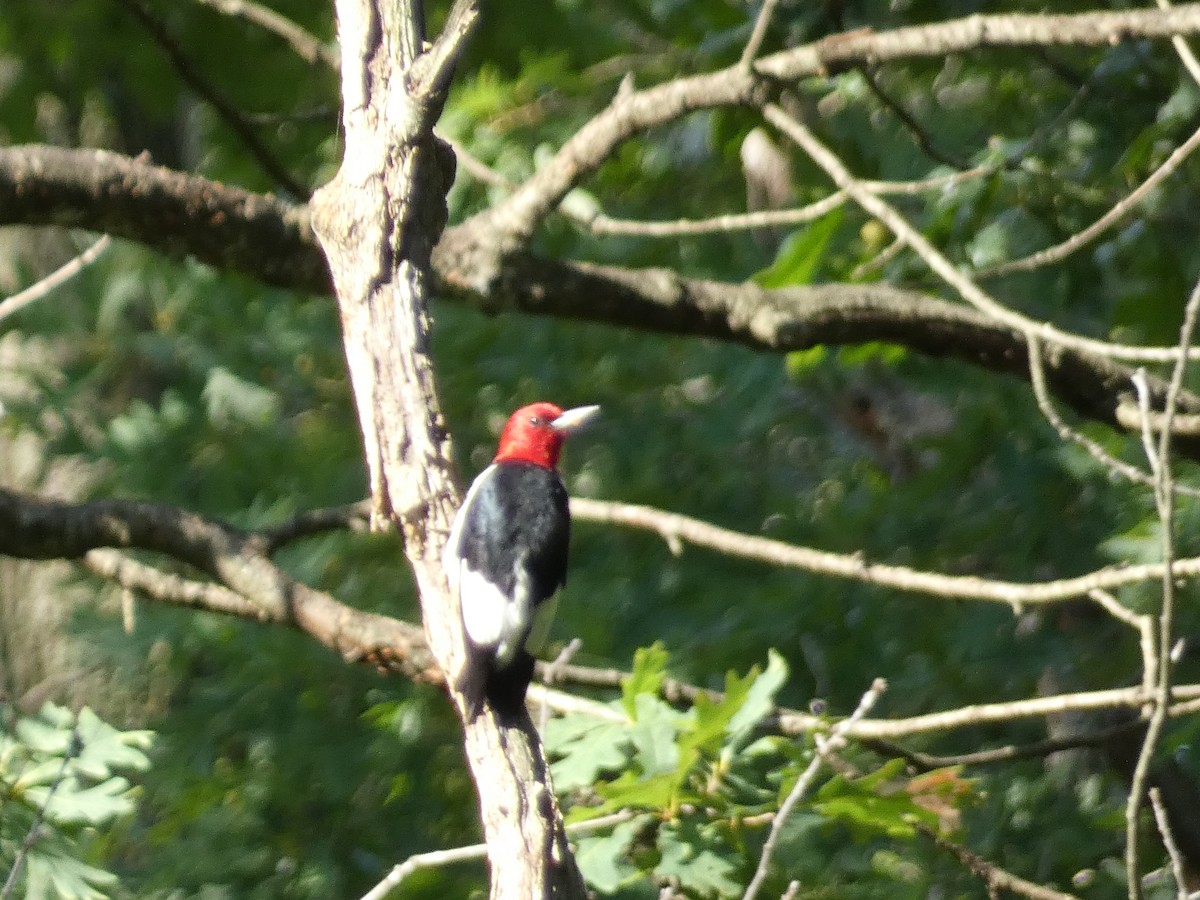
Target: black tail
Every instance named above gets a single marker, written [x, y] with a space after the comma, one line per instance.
[503, 689]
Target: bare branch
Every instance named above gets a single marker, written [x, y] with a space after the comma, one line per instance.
[308, 46]
[942, 266]
[767, 218]
[984, 713]
[1182, 50]
[32, 528]
[438, 858]
[272, 240]
[825, 745]
[165, 587]
[353, 516]
[1114, 215]
[673, 526]
[1006, 753]
[61, 275]
[638, 111]
[1037, 379]
[993, 876]
[229, 114]
[1168, 838]
[1164, 499]
[919, 135]
[178, 214]
[761, 24]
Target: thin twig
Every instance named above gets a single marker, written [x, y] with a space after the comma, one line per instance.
[307, 45]
[835, 741]
[919, 135]
[437, 858]
[1115, 214]
[553, 673]
[765, 218]
[878, 261]
[1009, 753]
[939, 264]
[223, 107]
[352, 516]
[1186, 56]
[1168, 838]
[1164, 499]
[74, 748]
[1037, 379]
[1142, 624]
[475, 167]
[59, 276]
[996, 878]
[761, 24]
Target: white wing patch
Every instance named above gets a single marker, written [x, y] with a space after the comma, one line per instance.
[483, 609]
[516, 616]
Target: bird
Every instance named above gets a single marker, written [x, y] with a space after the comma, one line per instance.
[506, 556]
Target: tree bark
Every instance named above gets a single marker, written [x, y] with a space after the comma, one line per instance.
[378, 221]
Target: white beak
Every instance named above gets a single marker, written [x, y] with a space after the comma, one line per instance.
[576, 418]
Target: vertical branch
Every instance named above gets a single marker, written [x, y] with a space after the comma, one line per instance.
[1164, 500]
[378, 221]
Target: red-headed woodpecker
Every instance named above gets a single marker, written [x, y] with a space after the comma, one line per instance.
[507, 555]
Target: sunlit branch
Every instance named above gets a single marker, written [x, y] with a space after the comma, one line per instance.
[761, 23]
[1163, 823]
[938, 263]
[638, 111]
[1160, 461]
[64, 273]
[271, 240]
[796, 723]
[987, 713]
[1114, 215]
[831, 743]
[167, 587]
[767, 218]
[673, 527]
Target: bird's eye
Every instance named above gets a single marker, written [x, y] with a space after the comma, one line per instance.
[535, 421]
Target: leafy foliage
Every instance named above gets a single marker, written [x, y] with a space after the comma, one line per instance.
[58, 786]
[702, 786]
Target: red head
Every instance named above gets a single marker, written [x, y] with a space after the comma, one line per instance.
[535, 433]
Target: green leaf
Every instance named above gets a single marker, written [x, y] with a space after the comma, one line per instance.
[586, 748]
[759, 700]
[656, 793]
[873, 803]
[58, 875]
[690, 854]
[649, 671]
[801, 255]
[603, 858]
[73, 804]
[654, 734]
[104, 748]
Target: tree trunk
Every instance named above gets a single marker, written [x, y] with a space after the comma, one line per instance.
[378, 221]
